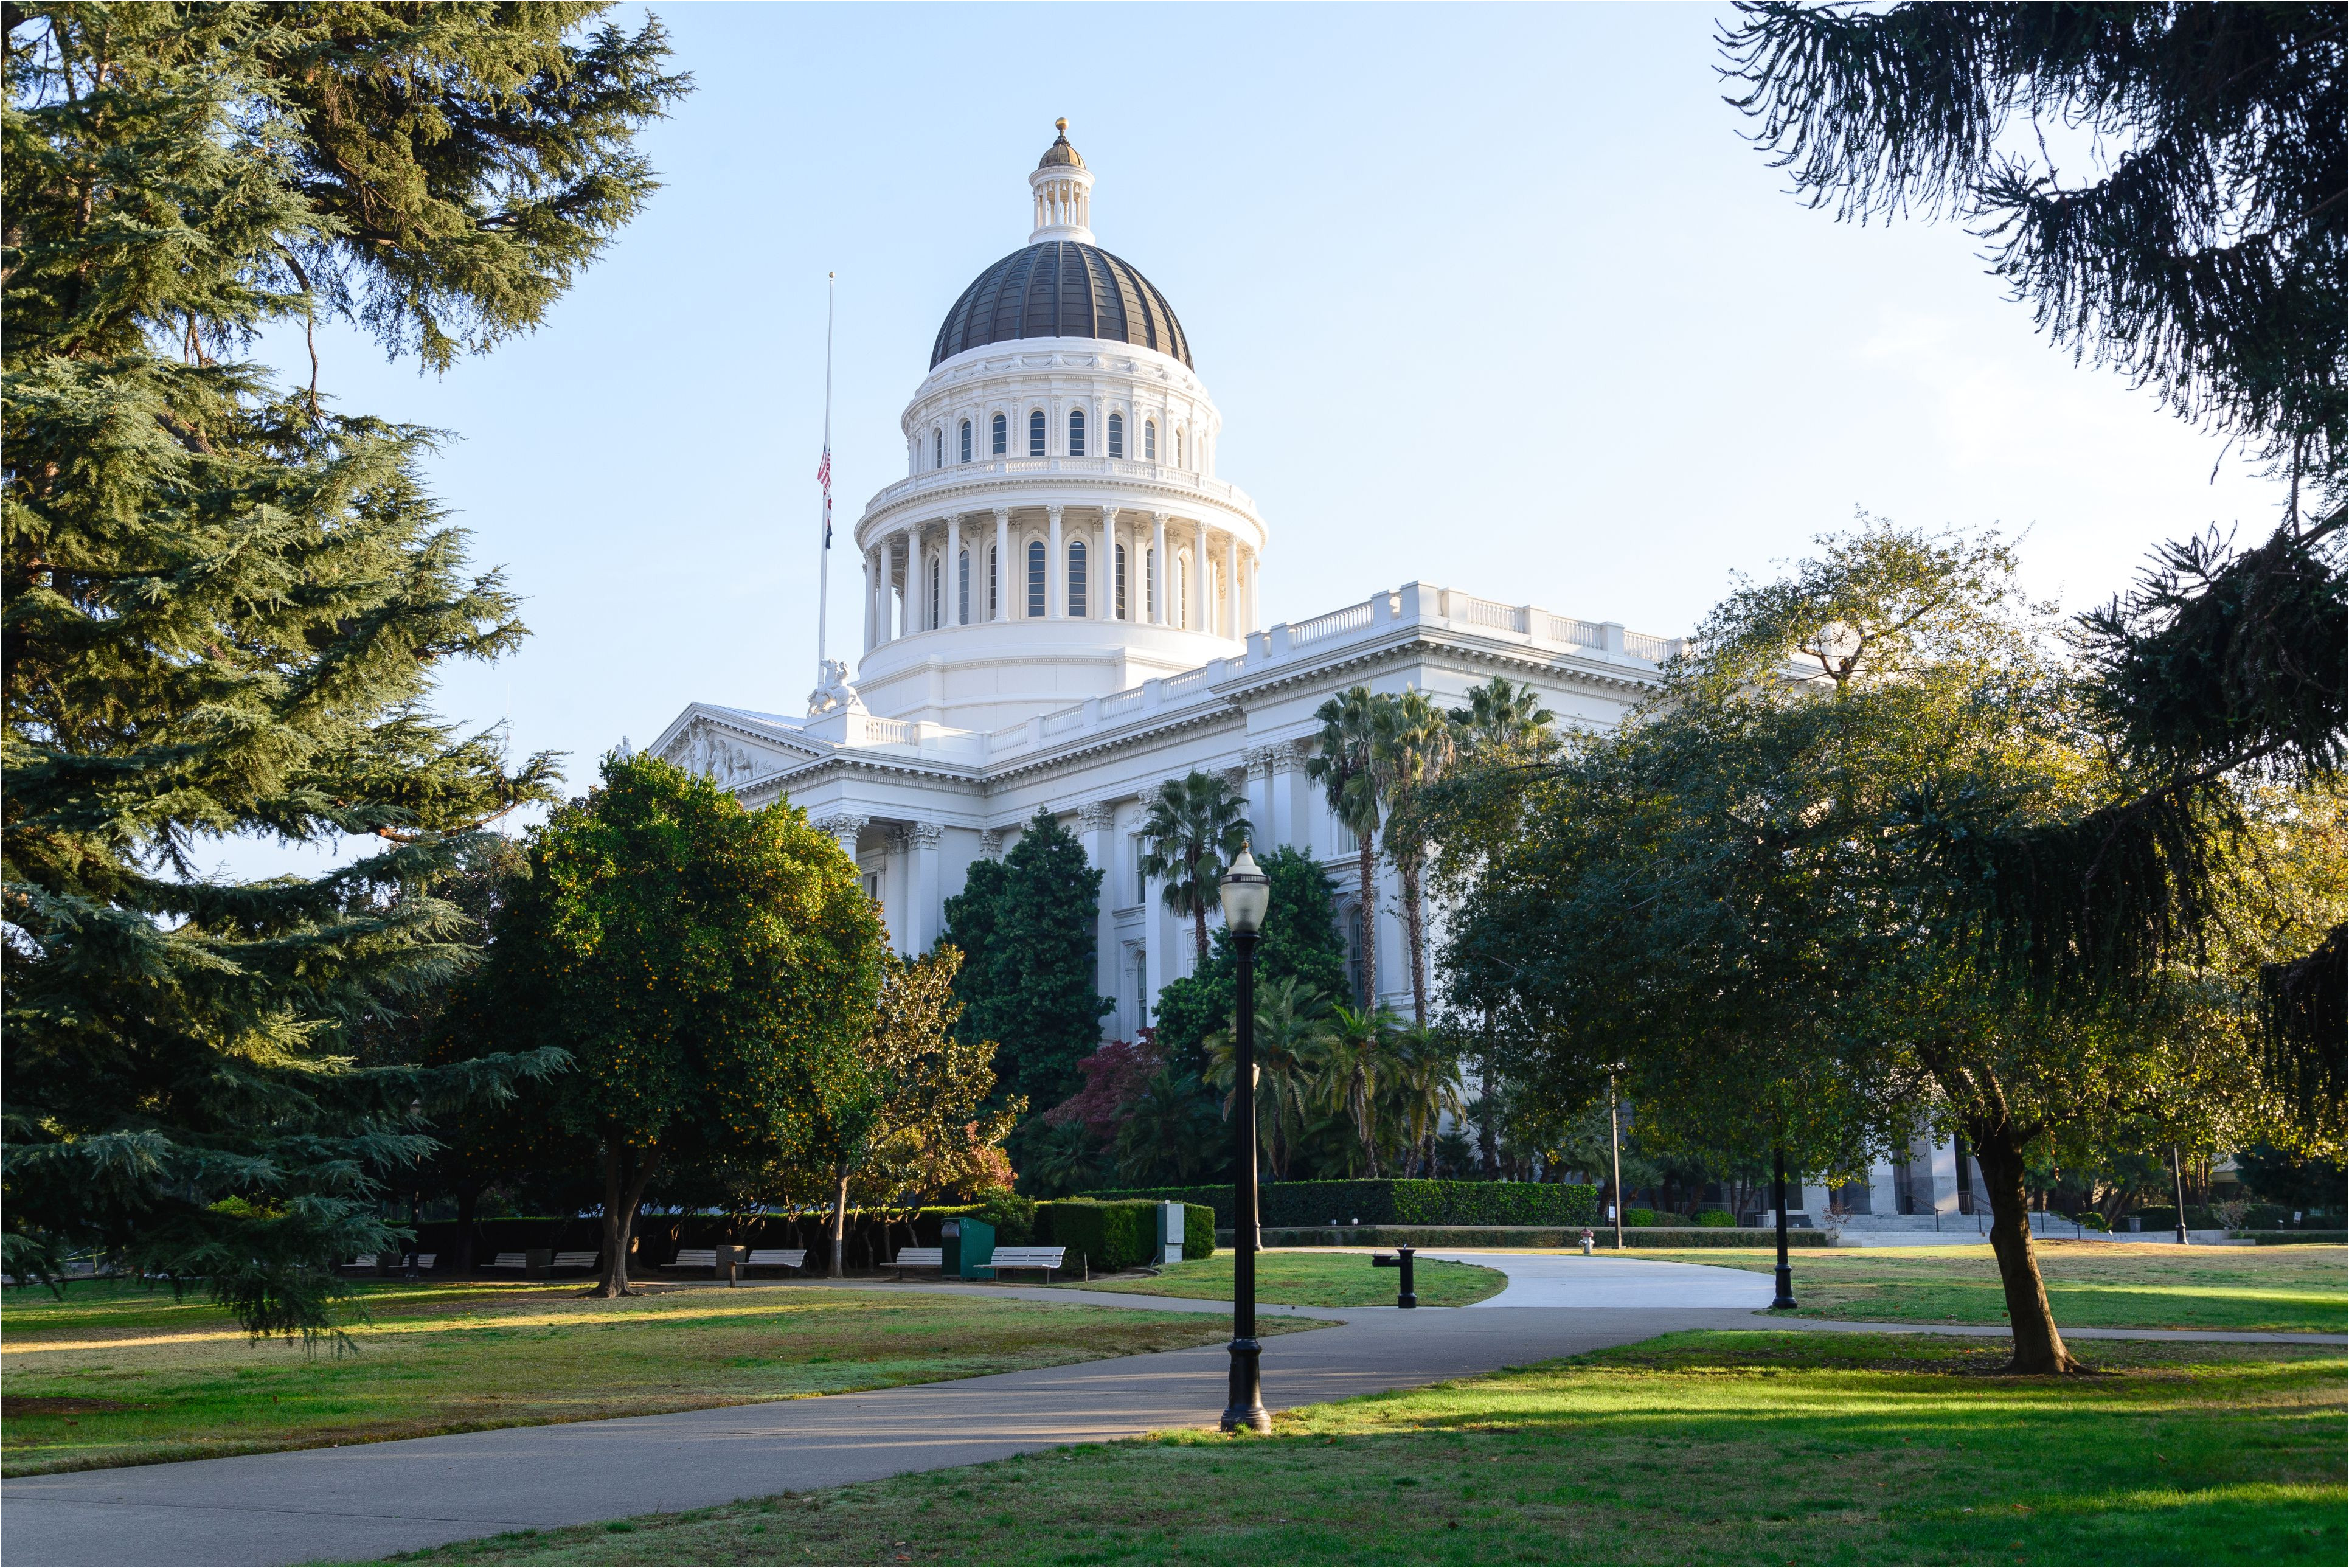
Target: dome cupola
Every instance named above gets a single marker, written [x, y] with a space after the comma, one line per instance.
[1061, 284]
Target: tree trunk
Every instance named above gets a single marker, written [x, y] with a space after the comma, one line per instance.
[1415, 938]
[469, 1202]
[1489, 1113]
[2038, 1345]
[1367, 867]
[1198, 909]
[839, 1228]
[621, 1193]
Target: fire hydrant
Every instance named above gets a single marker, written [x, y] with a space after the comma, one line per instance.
[1586, 1241]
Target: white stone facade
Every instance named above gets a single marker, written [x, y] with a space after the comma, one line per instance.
[1062, 609]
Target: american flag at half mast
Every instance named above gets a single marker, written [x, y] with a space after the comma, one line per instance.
[824, 478]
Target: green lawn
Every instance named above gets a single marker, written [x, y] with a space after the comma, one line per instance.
[1697, 1447]
[2090, 1284]
[116, 1374]
[1306, 1277]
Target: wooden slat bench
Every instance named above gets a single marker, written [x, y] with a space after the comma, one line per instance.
[576, 1260]
[509, 1261]
[919, 1258]
[1044, 1258]
[695, 1258]
[777, 1258]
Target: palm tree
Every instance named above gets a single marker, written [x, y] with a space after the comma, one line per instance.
[1426, 1080]
[1356, 1065]
[1162, 1135]
[1194, 828]
[1292, 1041]
[1342, 763]
[1410, 748]
[1502, 719]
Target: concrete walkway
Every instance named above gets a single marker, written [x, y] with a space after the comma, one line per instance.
[373, 1498]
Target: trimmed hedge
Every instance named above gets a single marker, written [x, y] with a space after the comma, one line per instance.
[1198, 1231]
[1110, 1237]
[2294, 1238]
[1387, 1202]
[1603, 1236]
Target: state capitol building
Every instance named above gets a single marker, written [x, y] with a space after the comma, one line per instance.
[1060, 610]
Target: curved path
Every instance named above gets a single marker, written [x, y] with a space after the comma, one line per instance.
[374, 1499]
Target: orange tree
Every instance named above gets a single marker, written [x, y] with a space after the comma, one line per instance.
[710, 970]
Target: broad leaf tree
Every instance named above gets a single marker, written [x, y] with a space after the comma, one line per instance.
[711, 971]
[226, 602]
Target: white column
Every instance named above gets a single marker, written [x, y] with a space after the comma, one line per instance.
[1001, 579]
[954, 568]
[1106, 609]
[1199, 602]
[1232, 585]
[909, 604]
[1159, 578]
[924, 904]
[1056, 569]
[869, 575]
[1097, 825]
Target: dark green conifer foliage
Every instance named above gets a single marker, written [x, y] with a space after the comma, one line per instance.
[1299, 941]
[226, 603]
[1028, 927]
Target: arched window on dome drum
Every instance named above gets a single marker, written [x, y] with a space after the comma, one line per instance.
[1002, 437]
[1150, 583]
[1035, 579]
[1117, 435]
[1077, 598]
[1036, 432]
[1076, 432]
[962, 586]
[938, 449]
[966, 440]
[994, 568]
[1150, 440]
[1181, 587]
[1178, 446]
[1120, 558]
[934, 598]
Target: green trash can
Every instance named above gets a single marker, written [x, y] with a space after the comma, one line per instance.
[965, 1246]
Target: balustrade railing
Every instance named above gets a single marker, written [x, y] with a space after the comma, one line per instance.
[1331, 625]
[1641, 645]
[1063, 720]
[1581, 633]
[1119, 702]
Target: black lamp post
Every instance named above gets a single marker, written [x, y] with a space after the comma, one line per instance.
[1778, 1195]
[1246, 893]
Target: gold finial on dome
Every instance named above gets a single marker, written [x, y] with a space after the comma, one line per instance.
[1061, 155]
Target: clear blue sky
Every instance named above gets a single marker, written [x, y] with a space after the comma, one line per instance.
[1494, 297]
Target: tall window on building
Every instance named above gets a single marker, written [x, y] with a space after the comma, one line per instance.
[1150, 583]
[1076, 432]
[1182, 590]
[934, 597]
[1035, 578]
[1141, 989]
[1117, 435]
[1150, 440]
[1178, 446]
[1077, 578]
[1036, 432]
[966, 440]
[993, 575]
[962, 590]
[1120, 602]
[938, 449]
[1002, 435]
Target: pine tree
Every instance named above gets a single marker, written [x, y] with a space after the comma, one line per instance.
[226, 603]
[1028, 927]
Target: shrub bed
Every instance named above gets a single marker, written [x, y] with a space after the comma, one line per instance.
[2294, 1238]
[1541, 1236]
[1390, 1202]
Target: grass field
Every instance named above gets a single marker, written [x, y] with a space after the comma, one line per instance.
[1305, 1278]
[1697, 1448]
[2090, 1284]
[117, 1375]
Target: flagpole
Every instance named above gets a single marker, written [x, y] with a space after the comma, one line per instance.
[823, 557]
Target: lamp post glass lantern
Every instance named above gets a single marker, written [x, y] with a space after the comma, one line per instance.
[1245, 893]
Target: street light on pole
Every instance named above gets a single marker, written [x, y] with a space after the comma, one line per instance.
[1246, 893]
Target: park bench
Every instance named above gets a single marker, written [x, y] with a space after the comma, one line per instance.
[695, 1258]
[1044, 1258]
[509, 1261]
[363, 1261]
[777, 1258]
[919, 1258]
[576, 1260]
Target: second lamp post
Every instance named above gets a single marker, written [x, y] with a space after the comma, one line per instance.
[1245, 893]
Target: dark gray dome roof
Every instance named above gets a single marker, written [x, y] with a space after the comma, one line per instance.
[1062, 288]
